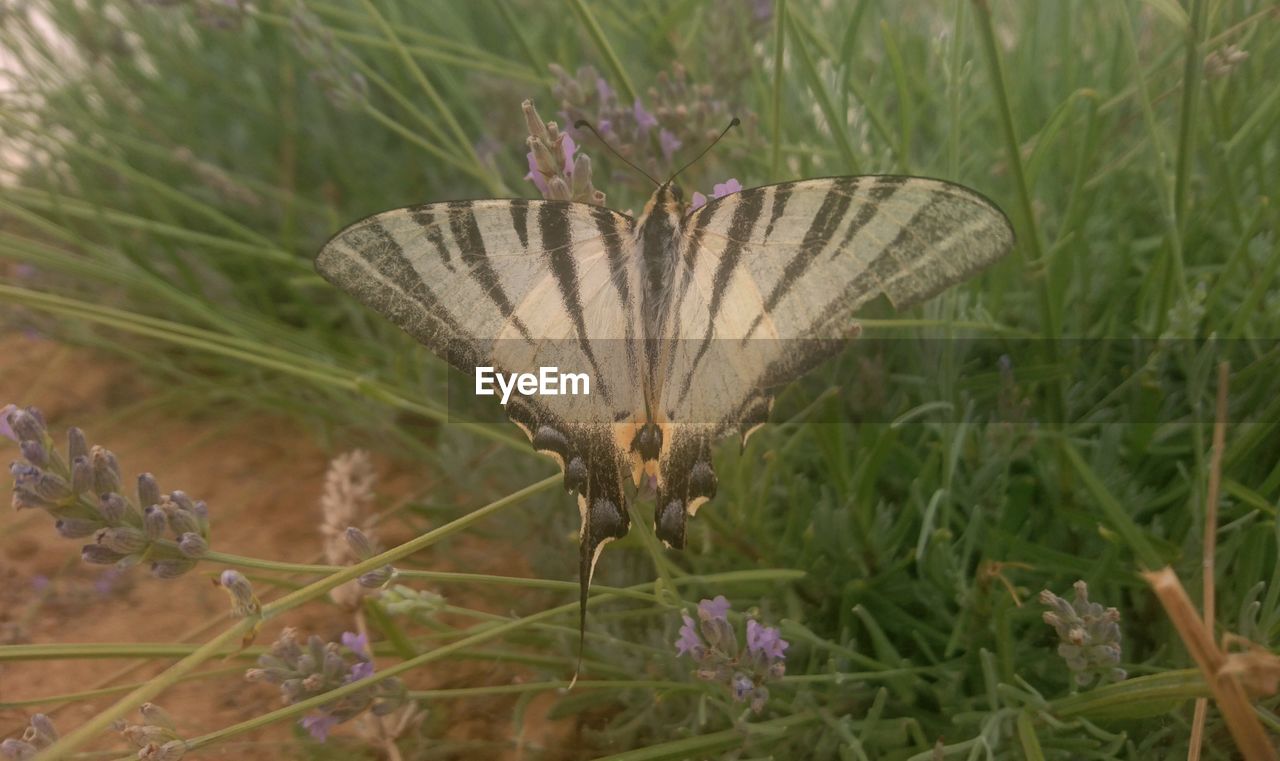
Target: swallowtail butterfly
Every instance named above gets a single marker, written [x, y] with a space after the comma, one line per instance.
[685, 319]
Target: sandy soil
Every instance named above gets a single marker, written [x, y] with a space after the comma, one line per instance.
[262, 479]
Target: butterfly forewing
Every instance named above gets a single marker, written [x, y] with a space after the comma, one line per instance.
[766, 286]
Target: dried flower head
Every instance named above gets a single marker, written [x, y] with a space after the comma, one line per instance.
[712, 643]
[348, 493]
[82, 492]
[1089, 636]
[156, 737]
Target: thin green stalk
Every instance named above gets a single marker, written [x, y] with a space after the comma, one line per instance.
[464, 142]
[1187, 122]
[779, 48]
[281, 361]
[51, 203]
[1048, 319]
[838, 126]
[588, 19]
[1113, 511]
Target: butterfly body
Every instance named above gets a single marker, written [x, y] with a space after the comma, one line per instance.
[686, 320]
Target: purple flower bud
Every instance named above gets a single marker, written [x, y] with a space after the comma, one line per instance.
[81, 474]
[18, 750]
[28, 424]
[333, 667]
[543, 161]
[25, 498]
[76, 528]
[125, 540]
[183, 521]
[156, 716]
[170, 751]
[243, 602]
[77, 446]
[192, 545]
[376, 578]
[148, 490]
[742, 686]
[361, 545]
[537, 127]
[171, 568]
[99, 555]
[106, 471]
[760, 697]
[113, 508]
[558, 190]
[181, 499]
[24, 475]
[6, 429]
[34, 452]
[153, 522]
[44, 733]
[52, 487]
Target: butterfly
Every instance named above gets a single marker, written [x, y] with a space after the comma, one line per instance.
[687, 320]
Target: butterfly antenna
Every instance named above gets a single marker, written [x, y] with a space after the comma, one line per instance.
[584, 124]
[735, 122]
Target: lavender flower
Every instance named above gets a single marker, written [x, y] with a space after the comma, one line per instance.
[719, 190]
[82, 493]
[713, 645]
[555, 168]
[317, 668]
[651, 129]
[1089, 634]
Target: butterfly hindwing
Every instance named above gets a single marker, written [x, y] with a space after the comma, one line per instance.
[517, 285]
[766, 286]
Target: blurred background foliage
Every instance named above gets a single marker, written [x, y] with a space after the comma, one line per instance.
[171, 169]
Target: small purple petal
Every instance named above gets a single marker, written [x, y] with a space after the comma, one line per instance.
[711, 610]
[5, 430]
[539, 181]
[361, 670]
[669, 142]
[742, 686]
[644, 120]
[569, 148]
[356, 643]
[765, 640]
[689, 642]
[318, 725]
[725, 188]
[698, 201]
[603, 90]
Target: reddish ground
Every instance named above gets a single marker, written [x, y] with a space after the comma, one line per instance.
[262, 480]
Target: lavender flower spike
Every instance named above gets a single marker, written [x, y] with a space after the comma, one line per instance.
[713, 646]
